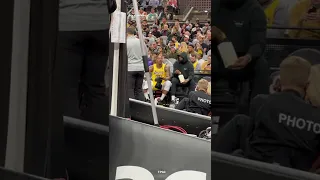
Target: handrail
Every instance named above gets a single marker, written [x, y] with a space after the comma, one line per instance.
[188, 5]
[293, 28]
[187, 15]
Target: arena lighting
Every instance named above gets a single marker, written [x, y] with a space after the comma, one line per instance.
[205, 11]
[145, 62]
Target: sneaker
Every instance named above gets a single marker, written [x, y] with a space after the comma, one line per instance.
[172, 104]
[161, 102]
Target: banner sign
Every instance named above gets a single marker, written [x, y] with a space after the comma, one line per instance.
[144, 152]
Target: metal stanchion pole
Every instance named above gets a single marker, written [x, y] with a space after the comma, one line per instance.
[145, 62]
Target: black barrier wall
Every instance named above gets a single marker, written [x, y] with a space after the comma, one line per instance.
[6, 174]
[87, 149]
[144, 152]
[192, 123]
[225, 167]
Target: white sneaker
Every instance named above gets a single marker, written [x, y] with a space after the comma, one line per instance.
[172, 105]
[156, 100]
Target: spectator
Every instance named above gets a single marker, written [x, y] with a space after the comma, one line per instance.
[164, 22]
[172, 53]
[183, 47]
[206, 66]
[194, 61]
[305, 14]
[198, 49]
[175, 41]
[156, 32]
[154, 3]
[283, 128]
[143, 14]
[277, 15]
[200, 59]
[198, 101]
[131, 17]
[191, 50]
[173, 3]
[204, 46]
[165, 31]
[181, 67]
[152, 16]
[135, 66]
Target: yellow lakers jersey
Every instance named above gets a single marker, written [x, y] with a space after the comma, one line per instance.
[158, 72]
[270, 11]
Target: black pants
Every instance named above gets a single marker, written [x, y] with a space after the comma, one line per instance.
[183, 104]
[257, 72]
[176, 82]
[81, 59]
[135, 81]
[233, 135]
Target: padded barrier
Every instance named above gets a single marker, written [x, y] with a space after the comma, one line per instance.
[87, 149]
[191, 122]
[225, 166]
[6, 174]
[159, 151]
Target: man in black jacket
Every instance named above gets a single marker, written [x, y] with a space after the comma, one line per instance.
[183, 68]
[198, 101]
[244, 23]
[282, 127]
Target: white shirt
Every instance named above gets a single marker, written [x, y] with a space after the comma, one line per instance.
[134, 53]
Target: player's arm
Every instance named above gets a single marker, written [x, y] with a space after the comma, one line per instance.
[167, 72]
[151, 68]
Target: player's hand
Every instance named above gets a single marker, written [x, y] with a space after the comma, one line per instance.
[241, 62]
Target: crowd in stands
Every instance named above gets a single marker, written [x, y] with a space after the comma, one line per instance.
[294, 14]
[179, 55]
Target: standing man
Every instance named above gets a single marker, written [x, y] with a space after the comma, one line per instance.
[82, 55]
[135, 66]
[244, 23]
[79, 71]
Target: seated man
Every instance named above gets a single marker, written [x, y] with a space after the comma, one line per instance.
[198, 101]
[183, 73]
[195, 62]
[283, 128]
[160, 79]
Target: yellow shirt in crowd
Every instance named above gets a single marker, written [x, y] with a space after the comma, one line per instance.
[295, 19]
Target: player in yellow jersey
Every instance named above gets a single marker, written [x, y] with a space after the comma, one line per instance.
[160, 79]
